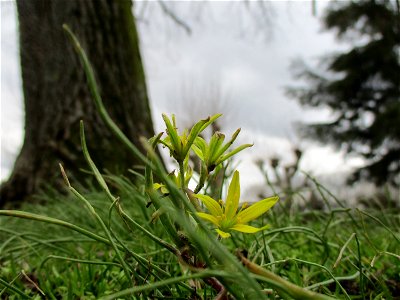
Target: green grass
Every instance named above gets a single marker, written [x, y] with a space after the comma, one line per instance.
[344, 253]
[129, 242]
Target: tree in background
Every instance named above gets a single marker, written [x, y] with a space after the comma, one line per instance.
[361, 87]
[57, 96]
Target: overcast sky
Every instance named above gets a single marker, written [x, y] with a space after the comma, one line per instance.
[235, 61]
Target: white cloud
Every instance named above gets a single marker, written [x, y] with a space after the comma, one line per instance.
[11, 107]
[227, 46]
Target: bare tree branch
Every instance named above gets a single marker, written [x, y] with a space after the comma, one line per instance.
[174, 17]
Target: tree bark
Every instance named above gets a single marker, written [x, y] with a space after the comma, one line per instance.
[57, 96]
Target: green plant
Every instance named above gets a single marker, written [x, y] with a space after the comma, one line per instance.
[151, 241]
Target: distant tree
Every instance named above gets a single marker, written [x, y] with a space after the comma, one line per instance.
[361, 86]
[57, 96]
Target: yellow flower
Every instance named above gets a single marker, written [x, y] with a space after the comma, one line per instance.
[179, 144]
[176, 179]
[227, 218]
[213, 154]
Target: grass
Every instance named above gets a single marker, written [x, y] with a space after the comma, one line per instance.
[344, 253]
[141, 244]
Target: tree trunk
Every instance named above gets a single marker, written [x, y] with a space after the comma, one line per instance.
[57, 96]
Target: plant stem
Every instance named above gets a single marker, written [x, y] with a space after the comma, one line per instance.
[182, 174]
[282, 286]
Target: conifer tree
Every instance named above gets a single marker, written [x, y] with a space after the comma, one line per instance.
[361, 87]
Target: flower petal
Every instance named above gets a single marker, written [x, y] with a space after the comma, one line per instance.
[201, 143]
[167, 143]
[157, 186]
[233, 152]
[256, 210]
[215, 143]
[232, 199]
[161, 187]
[229, 143]
[198, 152]
[248, 229]
[213, 206]
[197, 129]
[211, 120]
[171, 131]
[208, 217]
[223, 234]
